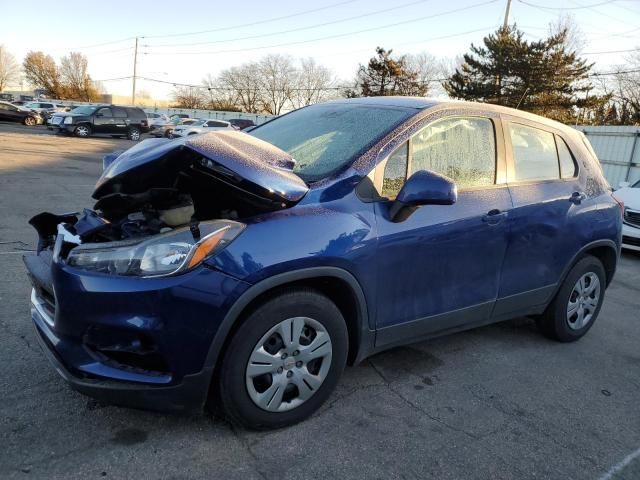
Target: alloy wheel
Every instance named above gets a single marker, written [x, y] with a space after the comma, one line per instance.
[583, 301]
[288, 364]
[82, 131]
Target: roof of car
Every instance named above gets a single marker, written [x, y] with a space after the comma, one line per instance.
[422, 103]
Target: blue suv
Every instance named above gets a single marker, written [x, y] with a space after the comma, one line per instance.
[249, 269]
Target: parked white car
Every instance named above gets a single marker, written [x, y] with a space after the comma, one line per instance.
[44, 107]
[630, 195]
[157, 119]
[201, 126]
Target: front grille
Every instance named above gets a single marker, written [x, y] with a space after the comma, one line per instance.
[631, 241]
[632, 217]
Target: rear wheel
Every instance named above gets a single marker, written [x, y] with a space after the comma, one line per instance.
[577, 303]
[284, 361]
[134, 134]
[82, 131]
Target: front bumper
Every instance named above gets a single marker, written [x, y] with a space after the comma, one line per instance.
[178, 315]
[630, 237]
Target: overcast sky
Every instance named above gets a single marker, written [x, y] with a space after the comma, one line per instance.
[183, 41]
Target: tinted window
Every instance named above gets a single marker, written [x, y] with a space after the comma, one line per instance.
[567, 163]
[213, 123]
[325, 138]
[395, 172]
[534, 153]
[46, 105]
[105, 112]
[461, 148]
[119, 112]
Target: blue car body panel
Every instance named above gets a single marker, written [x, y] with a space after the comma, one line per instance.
[495, 253]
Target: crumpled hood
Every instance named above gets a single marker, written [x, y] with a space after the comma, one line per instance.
[242, 155]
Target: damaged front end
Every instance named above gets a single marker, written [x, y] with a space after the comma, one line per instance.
[120, 300]
[164, 206]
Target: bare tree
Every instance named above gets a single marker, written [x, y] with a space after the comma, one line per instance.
[313, 83]
[244, 83]
[220, 97]
[188, 97]
[42, 72]
[9, 68]
[429, 71]
[277, 81]
[74, 75]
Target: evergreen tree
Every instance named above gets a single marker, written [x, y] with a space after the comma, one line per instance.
[544, 77]
[385, 75]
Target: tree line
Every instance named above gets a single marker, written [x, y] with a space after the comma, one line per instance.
[546, 76]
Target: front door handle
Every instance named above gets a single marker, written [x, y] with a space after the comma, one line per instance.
[494, 217]
[577, 197]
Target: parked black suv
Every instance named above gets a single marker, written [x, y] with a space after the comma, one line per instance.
[112, 120]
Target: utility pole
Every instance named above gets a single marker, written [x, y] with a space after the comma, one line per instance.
[135, 65]
[505, 24]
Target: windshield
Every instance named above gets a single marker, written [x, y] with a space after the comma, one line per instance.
[198, 123]
[323, 139]
[84, 110]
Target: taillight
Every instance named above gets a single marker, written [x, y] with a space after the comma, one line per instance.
[621, 203]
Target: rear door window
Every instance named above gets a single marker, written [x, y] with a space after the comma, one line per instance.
[534, 153]
[119, 112]
[104, 112]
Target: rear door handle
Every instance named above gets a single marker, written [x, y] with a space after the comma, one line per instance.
[577, 197]
[494, 217]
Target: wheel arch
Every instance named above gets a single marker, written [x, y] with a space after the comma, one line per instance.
[604, 250]
[337, 284]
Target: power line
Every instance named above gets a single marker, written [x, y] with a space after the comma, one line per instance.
[259, 22]
[340, 35]
[299, 29]
[612, 51]
[566, 8]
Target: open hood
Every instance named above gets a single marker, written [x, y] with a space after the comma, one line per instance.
[230, 158]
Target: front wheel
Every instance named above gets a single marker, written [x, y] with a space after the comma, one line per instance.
[284, 361]
[30, 121]
[577, 304]
[83, 131]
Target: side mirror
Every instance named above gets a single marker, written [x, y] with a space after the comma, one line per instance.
[423, 188]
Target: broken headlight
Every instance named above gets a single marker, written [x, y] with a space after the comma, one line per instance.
[168, 253]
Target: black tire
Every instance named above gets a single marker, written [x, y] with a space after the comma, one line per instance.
[554, 322]
[30, 121]
[233, 394]
[168, 133]
[82, 131]
[134, 134]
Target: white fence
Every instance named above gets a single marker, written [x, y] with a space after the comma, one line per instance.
[211, 114]
[618, 149]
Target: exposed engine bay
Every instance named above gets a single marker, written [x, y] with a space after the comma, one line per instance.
[159, 185]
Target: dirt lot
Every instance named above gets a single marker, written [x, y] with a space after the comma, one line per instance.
[498, 402]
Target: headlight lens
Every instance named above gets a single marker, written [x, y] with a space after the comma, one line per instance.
[165, 254]
[68, 120]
